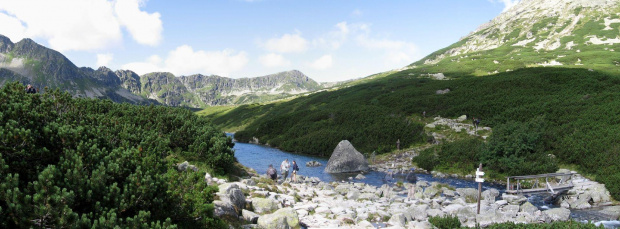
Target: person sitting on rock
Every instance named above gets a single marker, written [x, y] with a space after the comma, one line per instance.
[272, 173]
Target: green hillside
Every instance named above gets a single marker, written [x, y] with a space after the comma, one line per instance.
[579, 109]
[86, 163]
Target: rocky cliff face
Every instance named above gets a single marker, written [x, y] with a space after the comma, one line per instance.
[536, 33]
[29, 62]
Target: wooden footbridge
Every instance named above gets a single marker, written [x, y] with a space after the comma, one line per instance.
[554, 183]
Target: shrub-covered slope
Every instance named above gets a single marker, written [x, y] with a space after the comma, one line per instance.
[578, 108]
[83, 163]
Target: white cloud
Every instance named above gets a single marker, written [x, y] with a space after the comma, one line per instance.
[104, 59]
[79, 24]
[340, 34]
[12, 27]
[288, 43]
[144, 27]
[507, 3]
[323, 62]
[273, 60]
[152, 64]
[395, 52]
[185, 61]
[357, 13]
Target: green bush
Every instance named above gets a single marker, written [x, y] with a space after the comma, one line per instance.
[445, 222]
[554, 225]
[85, 163]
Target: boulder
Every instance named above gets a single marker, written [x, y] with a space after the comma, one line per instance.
[418, 212]
[513, 199]
[556, 214]
[313, 164]
[232, 193]
[224, 210]
[346, 158]
[528, 207]
[353, 194]
[430, 192]
[469, 194]
[490, 195]
[183, 166]
[613, 211]
[250, 216]
[462, 118]
[359, 177]
[441, 92]
[264, 205]
[435, 212]
[582, 202]
[398, 219]
[284, 218]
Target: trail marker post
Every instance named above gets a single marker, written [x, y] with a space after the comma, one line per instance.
[479, 179]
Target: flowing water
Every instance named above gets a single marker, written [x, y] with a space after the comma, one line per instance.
[259, 157]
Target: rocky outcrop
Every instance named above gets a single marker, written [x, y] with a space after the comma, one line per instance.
[346, 158]
[313, 164]
[284, 218]
[264, 205]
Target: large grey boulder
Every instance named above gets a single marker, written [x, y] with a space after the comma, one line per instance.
[469, 194]
[232, 193]
[224, 210]
[490, 195]
[313, 164]
[346, 158]
[528, 207]
[398, 220]
[250, 216]
[264, 205]
[556, 214]
[284, 218]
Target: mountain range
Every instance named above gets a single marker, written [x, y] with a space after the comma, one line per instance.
[31, 63]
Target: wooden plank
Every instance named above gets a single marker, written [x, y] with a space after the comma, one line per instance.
[540, 176]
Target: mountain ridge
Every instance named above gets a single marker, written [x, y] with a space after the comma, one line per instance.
[29, 62]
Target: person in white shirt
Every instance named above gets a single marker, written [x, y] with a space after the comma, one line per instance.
[284, 169]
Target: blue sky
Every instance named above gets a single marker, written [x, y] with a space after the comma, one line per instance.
[328, 40]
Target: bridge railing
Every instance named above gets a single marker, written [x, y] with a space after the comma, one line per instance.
[565, 181]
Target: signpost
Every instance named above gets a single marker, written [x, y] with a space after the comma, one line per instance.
[479, 179]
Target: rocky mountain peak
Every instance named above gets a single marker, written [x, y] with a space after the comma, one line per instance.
[536, 33]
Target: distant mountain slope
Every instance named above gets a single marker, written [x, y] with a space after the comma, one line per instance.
[29, 62]
[569, 33]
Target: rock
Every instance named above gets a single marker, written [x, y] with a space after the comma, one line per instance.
[249, 182]
[430, 192]
[224, 210]
[510, 211]
[249, 226]
[342, 189]
[461, 118]
[364, 224]
[466, 214]
[313, 164]
[441, 92]
[512, 199]
[556, 214]
[398, 219]
[469, 194]
[322, 210]
[420, 225]
[528, 207]
[208, 178]
[233, 194]
[353, 194]
[430, 125]
[452, 208]
[249, 216]
[490, 195]
[582, 202]
[359, 177]
[418, 212]
[284, 218]
[346, 158]
[263, 205]
[489, 218]
[367, 196]
[183, 166]
[613, 211]
[435, 212]
[599, 193]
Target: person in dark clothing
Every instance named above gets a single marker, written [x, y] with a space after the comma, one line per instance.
[272, 173]
[295, 169]
[30, 89]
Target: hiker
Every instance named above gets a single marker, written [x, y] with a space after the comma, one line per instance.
[284, 169]
[30, 89]
[272, 173]
[475, 122]
[295, 169]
